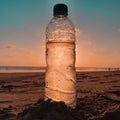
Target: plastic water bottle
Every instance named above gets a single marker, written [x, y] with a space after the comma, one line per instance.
[60, 79]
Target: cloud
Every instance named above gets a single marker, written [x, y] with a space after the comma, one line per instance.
[10, 46]
[77, 31]
[118, 29]
[88, 42]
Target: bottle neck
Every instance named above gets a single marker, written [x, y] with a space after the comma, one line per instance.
[60, 16]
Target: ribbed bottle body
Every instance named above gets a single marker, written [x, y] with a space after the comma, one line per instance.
[60, 79]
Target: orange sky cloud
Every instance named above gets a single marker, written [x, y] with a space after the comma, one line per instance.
[10, 46]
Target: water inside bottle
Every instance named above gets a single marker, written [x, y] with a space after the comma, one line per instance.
[60, 58]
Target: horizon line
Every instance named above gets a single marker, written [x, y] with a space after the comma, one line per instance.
[46, 66]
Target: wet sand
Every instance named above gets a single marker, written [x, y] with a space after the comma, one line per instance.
[98, 96]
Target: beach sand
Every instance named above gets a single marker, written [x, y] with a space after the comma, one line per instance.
[98, 95]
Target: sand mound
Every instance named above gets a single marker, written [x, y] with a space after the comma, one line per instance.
[6, 113]
[89, 108]
[48, 110]
[112, 115]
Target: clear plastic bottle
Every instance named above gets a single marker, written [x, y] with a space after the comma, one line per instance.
[60, 79]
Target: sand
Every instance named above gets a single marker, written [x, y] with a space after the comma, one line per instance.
[98, 97]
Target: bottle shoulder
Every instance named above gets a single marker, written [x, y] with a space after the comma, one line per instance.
[60, 23]
[60, 30]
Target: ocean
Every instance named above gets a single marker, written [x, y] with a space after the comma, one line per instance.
[15, 69]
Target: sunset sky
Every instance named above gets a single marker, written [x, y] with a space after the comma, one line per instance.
[23, 24]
